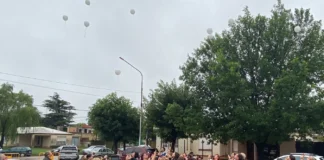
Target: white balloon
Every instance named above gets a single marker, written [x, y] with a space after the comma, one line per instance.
[65, 17]
[132, 11]
[117, 72]
[86, 24]
[87, 2]
[231, 22]
[210, 36]
[297, 29]
[209, 30]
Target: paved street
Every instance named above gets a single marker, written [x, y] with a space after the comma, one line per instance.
[32, 158]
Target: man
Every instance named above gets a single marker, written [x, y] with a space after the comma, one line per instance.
[3, 157]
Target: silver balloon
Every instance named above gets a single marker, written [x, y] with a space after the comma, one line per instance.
[297, 29]
[132, 11]
[87, 2]
[117, 72]
[209, 30]
[86, 24]
[65, 17]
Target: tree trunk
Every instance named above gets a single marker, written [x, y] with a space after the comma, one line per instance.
[124, 145]
[115, 143]
[173, 144]
[3, 134]
[260, 151]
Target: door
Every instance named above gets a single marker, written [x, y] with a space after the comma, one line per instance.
[75, 141]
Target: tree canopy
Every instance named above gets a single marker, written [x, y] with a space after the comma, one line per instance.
[61, 112]
[16, 110]
[260, 81]
[114, 119]
[172, 110]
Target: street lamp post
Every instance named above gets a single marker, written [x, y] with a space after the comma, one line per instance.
[141, 112]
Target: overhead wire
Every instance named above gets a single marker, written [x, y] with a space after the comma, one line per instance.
[71, 84]
[58, 89]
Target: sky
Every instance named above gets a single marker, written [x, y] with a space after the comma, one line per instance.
[36, 43]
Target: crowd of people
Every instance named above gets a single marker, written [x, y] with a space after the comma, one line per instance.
[163, 155]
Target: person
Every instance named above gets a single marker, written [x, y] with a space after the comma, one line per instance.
[84, 156]
[135, 156]
[51, 155]
[308, 158]
[216, 157]
[239, 157]
[175, 156]
[3, 157]
[291, 157]
[89, 156]
[47, 156]
[105, 157]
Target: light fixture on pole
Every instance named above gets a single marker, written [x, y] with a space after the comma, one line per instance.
[141, 111]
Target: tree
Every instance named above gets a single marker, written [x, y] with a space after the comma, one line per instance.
[260, 81]
[16, 110]
[61, 112]
[114, 119]
[173, 111]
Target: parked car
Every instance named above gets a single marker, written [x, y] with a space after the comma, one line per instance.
[22, 151]
[69, 152]
[57, 150]
[298, 155]
[139, 149]
[90, 149]
[100, 152]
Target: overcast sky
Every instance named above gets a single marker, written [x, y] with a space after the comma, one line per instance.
[35, 42]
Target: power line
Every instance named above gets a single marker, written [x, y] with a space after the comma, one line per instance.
[89, 94]
[71, 84]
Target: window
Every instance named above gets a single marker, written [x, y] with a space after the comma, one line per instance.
[80, 130]
[89, 131]
[61, 140]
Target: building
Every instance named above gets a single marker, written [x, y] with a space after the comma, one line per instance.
[83, 134]
[41, 137]
[202, 147]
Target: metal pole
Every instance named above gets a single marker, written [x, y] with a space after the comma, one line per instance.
[141, 111]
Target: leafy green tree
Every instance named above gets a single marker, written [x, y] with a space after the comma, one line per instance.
[114, 119]
[260, 81]
[173, 111]
[61, 112]
[16, 110]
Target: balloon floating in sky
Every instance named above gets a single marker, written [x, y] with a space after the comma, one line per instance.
[297, 29]
[209, 31]
[117, 72]
[132, 11]
[231, 22]
[87, 2]
[65, 18]
[86, 24]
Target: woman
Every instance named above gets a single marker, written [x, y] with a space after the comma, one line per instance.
[216, 157]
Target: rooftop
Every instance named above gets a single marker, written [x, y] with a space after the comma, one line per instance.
[39, 130]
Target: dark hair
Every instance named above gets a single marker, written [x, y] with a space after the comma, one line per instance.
[136, 155]
[89, 155]
[291, 157]
[176, 155]
[240, 157]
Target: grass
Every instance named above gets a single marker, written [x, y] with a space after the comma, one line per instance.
[36, 151]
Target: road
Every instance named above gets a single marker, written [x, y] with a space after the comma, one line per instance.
[32, 158]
